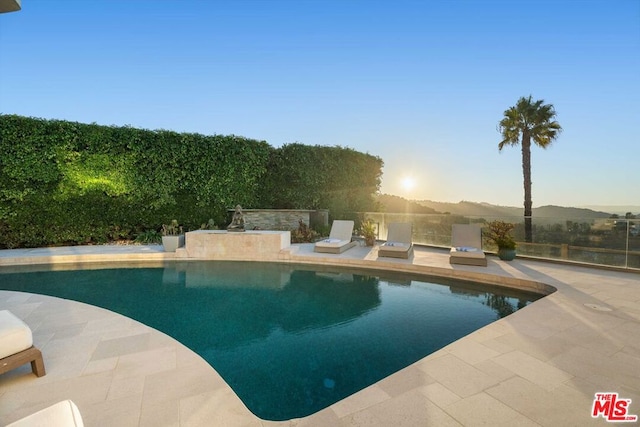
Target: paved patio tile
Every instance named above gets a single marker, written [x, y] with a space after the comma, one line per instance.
[456, 375]
[484, 410]
[534, 370]
[563, 406]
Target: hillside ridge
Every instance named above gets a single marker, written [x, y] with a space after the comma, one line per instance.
[397, 204]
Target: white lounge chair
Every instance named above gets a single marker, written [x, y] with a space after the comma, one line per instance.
[62, 414]
[339, 238]
[16, 345]
[399, 243]
[466, 245]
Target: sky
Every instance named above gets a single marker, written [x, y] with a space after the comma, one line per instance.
[420, 84]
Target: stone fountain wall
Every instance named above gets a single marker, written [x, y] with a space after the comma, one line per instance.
[282, 219]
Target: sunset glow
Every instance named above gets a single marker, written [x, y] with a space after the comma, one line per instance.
[408, 183]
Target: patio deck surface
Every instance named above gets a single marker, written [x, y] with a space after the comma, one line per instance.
[538, 367]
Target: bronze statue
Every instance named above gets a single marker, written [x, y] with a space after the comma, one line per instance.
[237, 221]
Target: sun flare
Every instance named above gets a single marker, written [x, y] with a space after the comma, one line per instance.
[408, 183]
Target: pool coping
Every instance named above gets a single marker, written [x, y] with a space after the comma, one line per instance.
[548, 350]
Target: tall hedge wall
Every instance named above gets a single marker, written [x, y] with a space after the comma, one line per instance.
[63, 182]
[316, 177]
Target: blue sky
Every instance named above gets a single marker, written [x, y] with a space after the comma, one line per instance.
[421, 84]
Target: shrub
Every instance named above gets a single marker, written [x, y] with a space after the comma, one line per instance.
[368, 231]
[499, 233]
[172, 229]
[149, 237]
[303, 234]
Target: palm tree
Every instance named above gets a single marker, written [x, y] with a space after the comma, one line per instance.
[534, 120]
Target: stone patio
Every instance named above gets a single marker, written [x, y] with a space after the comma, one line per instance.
[538, 367]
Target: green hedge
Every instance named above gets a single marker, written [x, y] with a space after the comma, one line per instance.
[317, 177]
[63, 182]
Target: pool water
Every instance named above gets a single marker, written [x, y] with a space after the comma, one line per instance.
[289, 340]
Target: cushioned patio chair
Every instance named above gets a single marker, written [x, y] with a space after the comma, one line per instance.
[399, 243]
[62, 414]
[339, 238]
[466, 245]
[16, 345]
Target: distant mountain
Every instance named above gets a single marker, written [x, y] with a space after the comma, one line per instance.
[472, 208]
[566, 212]
[619, 209]
[490, 211]
[395, 204]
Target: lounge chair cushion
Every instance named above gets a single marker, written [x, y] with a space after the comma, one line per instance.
[16, 345]
[15, 335]
[332, 243]
[466, 245]
[62, 414]
[468, 256]
[397, 250]
[467, 252]
[339, 238]
[395, 247]
[341, 230]
[333, 246]
[399, 244]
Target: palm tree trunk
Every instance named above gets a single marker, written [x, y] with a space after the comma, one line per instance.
[526, 171]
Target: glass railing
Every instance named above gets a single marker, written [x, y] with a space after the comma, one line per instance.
[599, 241]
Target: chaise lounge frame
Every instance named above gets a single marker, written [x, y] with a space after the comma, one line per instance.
[466, 242]
[399, 242]
[340, 238]
[31, 354]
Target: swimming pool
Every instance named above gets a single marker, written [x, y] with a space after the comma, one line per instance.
[290, 340]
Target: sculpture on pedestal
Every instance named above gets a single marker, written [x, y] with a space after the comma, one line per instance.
[237, 221]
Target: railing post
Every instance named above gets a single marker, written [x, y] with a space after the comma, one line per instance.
[626, 252]
[564, 251]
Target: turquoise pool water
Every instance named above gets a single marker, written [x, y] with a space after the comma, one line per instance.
[290, 340]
